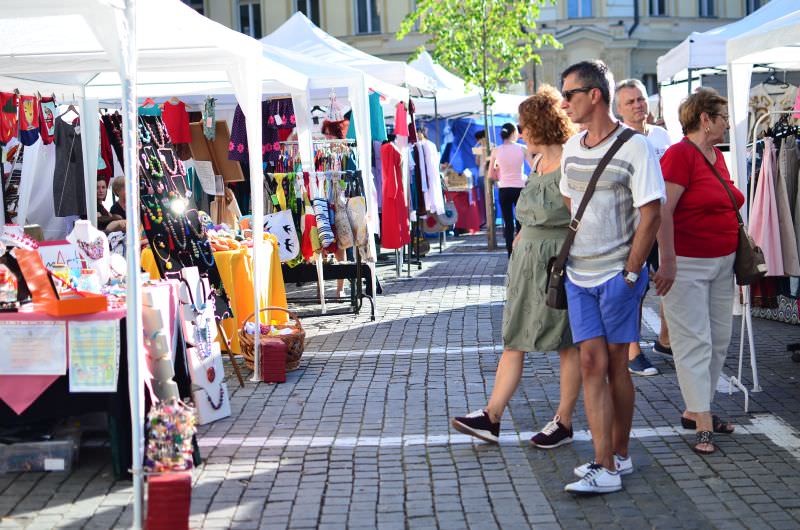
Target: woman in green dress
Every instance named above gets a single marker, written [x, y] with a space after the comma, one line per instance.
[528, 324]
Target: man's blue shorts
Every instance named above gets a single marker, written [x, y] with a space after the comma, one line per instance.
[609, 310]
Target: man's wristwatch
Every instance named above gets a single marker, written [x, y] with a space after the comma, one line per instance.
[630, 277]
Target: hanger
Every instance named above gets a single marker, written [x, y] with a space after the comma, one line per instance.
[149, 103]
[72, 108]
[174, 100]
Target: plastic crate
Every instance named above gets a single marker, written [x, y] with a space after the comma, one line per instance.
[51, 455]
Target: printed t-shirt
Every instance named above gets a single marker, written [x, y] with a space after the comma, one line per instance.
[704, 222]
[631, 180]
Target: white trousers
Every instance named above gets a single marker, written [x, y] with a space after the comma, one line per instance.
[699, 312]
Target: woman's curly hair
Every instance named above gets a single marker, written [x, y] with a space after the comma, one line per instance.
[544, 119]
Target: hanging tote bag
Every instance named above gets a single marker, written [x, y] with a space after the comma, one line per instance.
[281, 225]
[556, 295]
[749, 264]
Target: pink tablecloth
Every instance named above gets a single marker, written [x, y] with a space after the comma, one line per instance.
[19, 391]
[469, 207]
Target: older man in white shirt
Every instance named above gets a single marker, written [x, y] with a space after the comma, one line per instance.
[631, 106]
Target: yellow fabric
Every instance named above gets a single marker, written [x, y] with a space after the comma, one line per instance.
[236, 270]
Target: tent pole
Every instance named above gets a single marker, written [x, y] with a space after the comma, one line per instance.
[689, 81]
[436, 117]
[127, 67]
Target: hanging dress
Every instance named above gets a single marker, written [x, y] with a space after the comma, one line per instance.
[791, 262]
[394, 220]
[528, 324]
[69, 191]
[764, 224]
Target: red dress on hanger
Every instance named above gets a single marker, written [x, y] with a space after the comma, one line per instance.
[394, 219]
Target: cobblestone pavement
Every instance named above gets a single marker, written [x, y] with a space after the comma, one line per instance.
[359, 435]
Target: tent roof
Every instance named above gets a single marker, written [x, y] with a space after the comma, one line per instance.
[452, 95]
[300, 35]
[45, 42]
[443, 78]
[707, 49]
[776, 43]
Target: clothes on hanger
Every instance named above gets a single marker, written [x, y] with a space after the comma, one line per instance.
[764, 225]
[791, 262]
[766, 98]
[395, 231]
[69, 191]
[176, 119]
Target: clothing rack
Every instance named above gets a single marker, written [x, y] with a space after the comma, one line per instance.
[747, 317]
[345, 271]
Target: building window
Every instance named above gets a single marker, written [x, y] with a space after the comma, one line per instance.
[650, 82]
[752, 5]
[707, 9]
[658, 8]
[368, 19]
[579, 8]
[197, 5]
[250, 18]
[309, 8]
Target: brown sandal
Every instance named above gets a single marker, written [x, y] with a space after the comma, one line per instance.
[704, 437]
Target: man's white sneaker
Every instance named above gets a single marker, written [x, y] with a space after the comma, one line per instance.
[596, 480]
[624, 466]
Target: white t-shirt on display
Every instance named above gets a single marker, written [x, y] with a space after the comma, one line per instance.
[631, 180]
[659, 139]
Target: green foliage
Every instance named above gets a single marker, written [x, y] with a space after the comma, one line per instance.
[486, 42]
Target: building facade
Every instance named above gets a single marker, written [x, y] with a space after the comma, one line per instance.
[629, 35]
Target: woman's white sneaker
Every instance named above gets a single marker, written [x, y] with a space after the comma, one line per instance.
[624, 466]
[596, 480]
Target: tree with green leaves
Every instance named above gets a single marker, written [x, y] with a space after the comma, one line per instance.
[486, 42]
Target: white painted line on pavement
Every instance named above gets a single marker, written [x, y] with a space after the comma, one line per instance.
[778, 431]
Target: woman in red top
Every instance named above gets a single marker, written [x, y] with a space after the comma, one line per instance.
[697, 245]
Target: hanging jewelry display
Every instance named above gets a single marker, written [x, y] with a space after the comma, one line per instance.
[176, 240]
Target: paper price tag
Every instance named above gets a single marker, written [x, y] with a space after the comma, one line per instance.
[274, 199]
[278, 120]
[209, 122]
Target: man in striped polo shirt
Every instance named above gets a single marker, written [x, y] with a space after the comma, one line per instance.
[606, 276]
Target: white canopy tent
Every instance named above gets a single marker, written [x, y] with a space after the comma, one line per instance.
[453, 98]
[300, 35]
[345, 81]
[62, 47]
[707, 49]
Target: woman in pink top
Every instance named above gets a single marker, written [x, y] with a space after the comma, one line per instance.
[506, 167]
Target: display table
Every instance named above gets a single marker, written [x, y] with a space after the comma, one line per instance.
[469, 208]
[236, 270]
[45, 398]
[30, 399]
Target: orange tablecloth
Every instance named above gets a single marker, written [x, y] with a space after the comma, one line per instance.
[236, 270]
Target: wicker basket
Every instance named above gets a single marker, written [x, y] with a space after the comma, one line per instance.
[295, 341]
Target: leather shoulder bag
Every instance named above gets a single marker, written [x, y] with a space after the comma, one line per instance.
[750, 264]
[556, 296]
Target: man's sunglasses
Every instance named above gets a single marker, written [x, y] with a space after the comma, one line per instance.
[567, 94]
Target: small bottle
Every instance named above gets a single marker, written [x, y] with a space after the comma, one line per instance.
[90, 281]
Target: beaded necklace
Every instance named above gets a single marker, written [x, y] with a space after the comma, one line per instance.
[144, 132]
[158, 139]
[155, 166]
[161, 154]
[201, 253]
[174, 232]
[156, 246]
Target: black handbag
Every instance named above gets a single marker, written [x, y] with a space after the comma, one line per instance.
[556, 295]
[749, 265]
